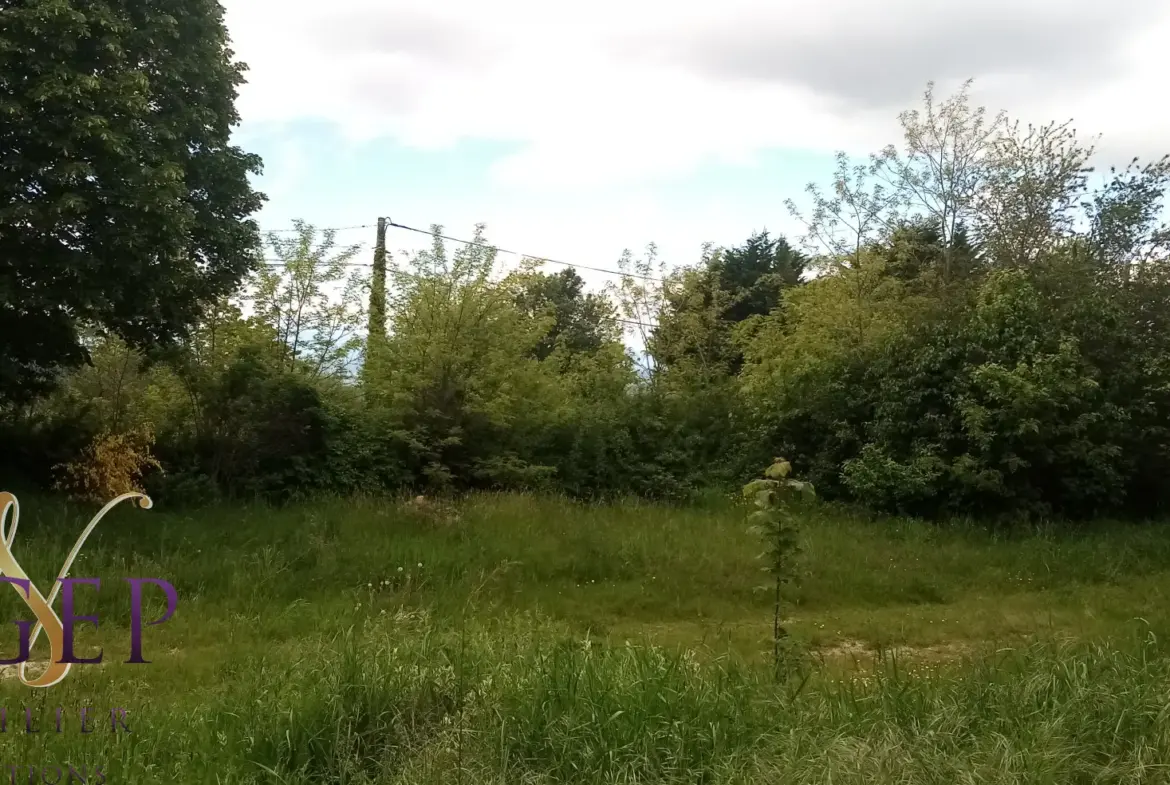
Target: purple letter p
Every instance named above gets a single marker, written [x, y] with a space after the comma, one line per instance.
[136, 613]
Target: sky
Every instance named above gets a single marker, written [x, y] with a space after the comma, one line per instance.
[576, 130]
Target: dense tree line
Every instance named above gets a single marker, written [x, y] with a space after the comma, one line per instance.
[975, 322]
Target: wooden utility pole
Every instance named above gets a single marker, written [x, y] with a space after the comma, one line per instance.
[376, 335]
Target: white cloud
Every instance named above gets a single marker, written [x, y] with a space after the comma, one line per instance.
[619, 93]
[612, 92]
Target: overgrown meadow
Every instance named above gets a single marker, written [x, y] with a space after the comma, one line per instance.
[967, 355]
[525, 639]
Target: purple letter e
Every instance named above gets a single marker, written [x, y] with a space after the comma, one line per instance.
[68, 619]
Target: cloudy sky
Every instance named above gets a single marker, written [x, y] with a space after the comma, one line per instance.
[575, 130]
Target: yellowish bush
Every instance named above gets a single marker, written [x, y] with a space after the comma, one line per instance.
[111, 465]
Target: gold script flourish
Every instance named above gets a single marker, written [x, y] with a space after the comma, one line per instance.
[47, 618]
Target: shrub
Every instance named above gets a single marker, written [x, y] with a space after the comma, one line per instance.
[112, 464]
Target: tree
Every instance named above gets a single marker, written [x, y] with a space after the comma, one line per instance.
[122, 202]
[859, 212]
[640, 298]
[119, 391]
[1028, 202]
[582, 322]
[705, 305]
[460, 372]
[1125, 215]
[949, 156]
[312, 301]
[692, 337]
[756, 272]
[206, 356]
[917, 254]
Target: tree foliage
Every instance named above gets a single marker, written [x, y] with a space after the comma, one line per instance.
[312, 300]
[123, 203]
[582, 322]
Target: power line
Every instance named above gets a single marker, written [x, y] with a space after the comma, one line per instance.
[428, 233]
[282, 263]
[320, 229]
[522, 255]
[497, 249]
[638, 324]
[360, 264]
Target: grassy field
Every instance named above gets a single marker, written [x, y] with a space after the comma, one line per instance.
[538, 641]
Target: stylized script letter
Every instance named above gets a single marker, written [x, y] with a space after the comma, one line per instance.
[43, 608]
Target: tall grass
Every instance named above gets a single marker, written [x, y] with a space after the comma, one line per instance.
[403, 701]
[536, 641]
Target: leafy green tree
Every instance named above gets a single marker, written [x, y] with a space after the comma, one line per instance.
[312, 298]
[694, 426]
[264, 430]
[640, 296]
[938, 177]
[119, 391]
[801, 381]
[120, 395]
[123, 202]
[1000, 409]
[461, 371]
[755, 273]
[917, 254]
[706, 307]
[978, 183]
[583, 322]
[1032, 195]
[692, 337]
[918, 373]
[1128, 230]
[207, 354]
